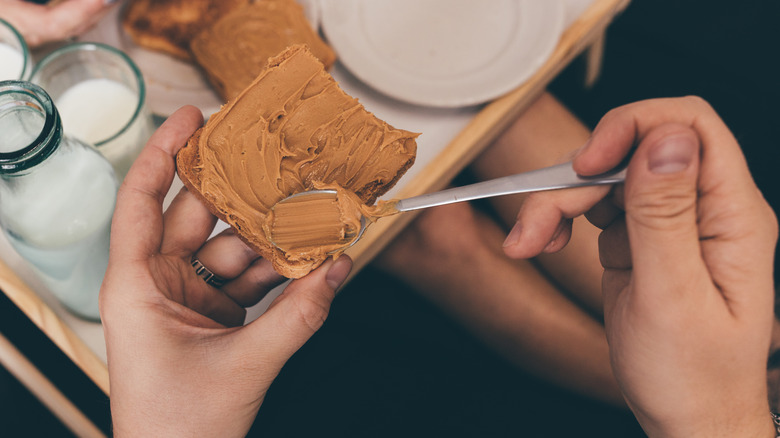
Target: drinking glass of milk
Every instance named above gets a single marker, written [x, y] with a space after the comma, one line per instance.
[101, 96]
[57, 198]
[15, 58]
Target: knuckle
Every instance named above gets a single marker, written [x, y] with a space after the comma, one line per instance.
[263, 277]
[105, 305]
[311, 310]
[661, 205]
[110, 303]
[698, 103]
[615, 113]
[770, 221]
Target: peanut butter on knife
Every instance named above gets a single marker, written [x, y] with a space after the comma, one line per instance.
[322, 220]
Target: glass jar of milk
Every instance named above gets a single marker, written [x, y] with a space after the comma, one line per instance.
[101, 96]
[15, 59]
[57, 197]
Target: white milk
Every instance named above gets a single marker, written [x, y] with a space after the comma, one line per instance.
[63, 233]
[11, 62]
[94, 110]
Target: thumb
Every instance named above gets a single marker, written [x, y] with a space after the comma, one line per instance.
[295, 315]
[660, 203]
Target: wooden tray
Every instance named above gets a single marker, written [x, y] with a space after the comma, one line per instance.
[474, 128]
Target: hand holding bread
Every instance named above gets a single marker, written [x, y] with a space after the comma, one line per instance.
[181, 361]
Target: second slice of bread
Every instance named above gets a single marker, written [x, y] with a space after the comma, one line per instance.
[235, 48]
[168, 26]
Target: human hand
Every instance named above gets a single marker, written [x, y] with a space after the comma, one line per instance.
[687, 247]
[180, 363]
[41, 24]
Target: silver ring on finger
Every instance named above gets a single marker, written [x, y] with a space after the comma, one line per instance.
[209, 277]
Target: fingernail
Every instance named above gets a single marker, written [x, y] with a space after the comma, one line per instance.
[338, 272]
[514, 235]
[671, 155]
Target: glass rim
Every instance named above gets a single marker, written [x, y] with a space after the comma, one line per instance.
[95, 47]
[26, 57]
[40, 148]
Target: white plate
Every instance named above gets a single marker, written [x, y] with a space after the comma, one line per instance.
[444, 53]
[170, 82]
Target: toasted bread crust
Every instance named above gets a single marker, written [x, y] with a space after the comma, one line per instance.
[168, 26]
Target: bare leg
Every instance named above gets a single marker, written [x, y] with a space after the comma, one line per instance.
[547, 134]
[453, 256]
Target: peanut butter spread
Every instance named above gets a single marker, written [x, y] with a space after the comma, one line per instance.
[326, 221]
[236, 47]
[293, 129]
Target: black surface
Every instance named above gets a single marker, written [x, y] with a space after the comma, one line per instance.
[388, 364]
[55, 365]
[723, 51]
[22, 415]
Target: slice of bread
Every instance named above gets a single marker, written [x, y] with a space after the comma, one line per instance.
[235, 48]
[168, 26]
[292, 129]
